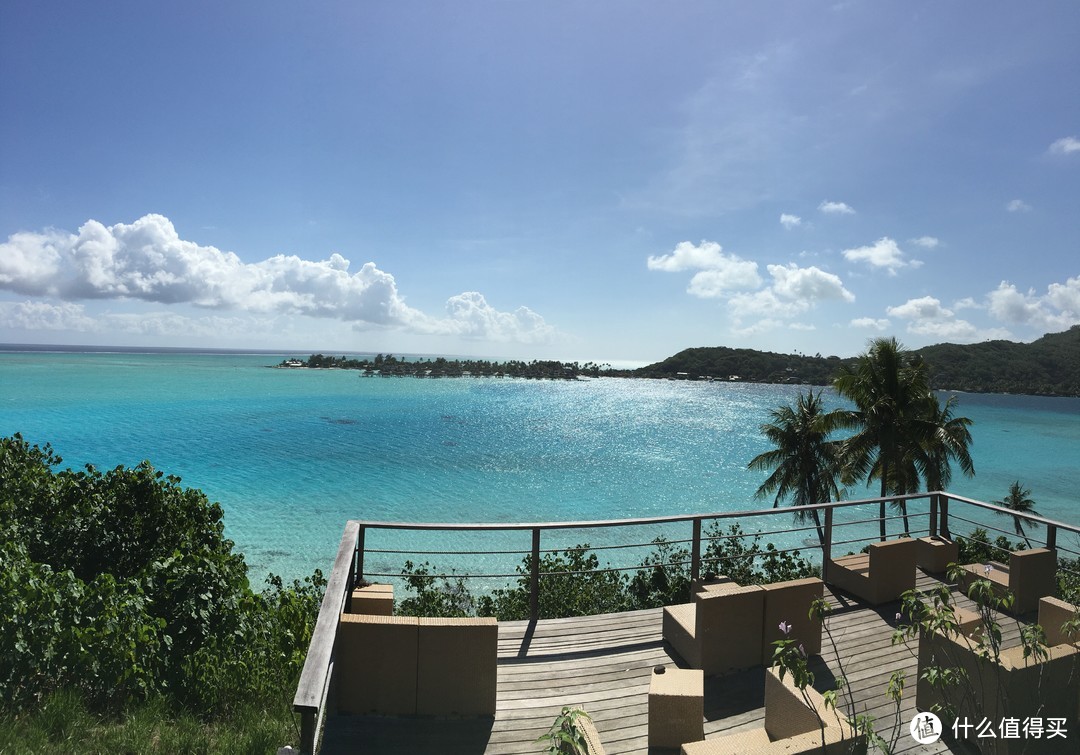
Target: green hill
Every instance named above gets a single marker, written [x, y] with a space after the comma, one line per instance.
[1049, 366]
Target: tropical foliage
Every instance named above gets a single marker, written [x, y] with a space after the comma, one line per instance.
[425, 367]
[574, 583]
[1019, 502]
[1048, 366]
[121, 589]
[805, 464]
[901, 435]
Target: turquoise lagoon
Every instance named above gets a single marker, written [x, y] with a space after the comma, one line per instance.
[292, 454]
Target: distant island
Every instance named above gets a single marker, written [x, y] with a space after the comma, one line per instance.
[391, 366]
[1049, 366]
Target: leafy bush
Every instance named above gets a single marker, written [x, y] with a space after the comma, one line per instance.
[571, 584]
[664, 581]
[435, 595]
[976, 547]
[120, 587]
[748, 563]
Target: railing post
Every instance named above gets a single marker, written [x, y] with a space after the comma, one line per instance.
[933, 514]
[826, 547]
[1051, 537]
[360, 553]
[695, 552]
[534, 577]
[944, 508]
[307, 732]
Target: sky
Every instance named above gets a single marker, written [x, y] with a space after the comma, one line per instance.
[604, 181]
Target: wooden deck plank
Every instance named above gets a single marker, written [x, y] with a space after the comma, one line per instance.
[605, 662]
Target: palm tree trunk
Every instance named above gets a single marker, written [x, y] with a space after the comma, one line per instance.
[820, 529]
[1021, 533]
[903, 510]
[881, 510]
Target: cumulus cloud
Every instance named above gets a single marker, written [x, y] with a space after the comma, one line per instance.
[883, 253]
[148, 261]
[1018, 205]
[926, 242]
[836, 208]
[790, 221]
[793, 291]
[471, 316]
[925, 308]
[1065, 146]
[39, 315]
[870, 322]
[718, 273]
[927, 317]
[68, 316]
[1058, 309]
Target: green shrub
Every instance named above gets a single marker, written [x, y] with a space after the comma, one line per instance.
[664, 581]
[747, 562]
[120, 589]
[435, 595]
[976, 547]
[571, 584]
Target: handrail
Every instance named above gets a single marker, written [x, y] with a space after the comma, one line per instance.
[311, 693]
[632, 522]
[310, 699]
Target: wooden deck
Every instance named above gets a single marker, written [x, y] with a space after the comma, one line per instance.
[604, 663]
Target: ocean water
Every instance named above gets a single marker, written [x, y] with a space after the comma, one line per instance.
[292, 454]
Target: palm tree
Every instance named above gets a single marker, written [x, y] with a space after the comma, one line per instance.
[945, 439]
[890, 389]
[805, 464]
[1020, 503]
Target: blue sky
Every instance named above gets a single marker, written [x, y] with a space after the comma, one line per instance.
[594, 181]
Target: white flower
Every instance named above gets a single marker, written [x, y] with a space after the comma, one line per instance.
[785, 627]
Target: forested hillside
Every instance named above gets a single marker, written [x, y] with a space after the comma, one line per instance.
[1049, 366]
[744, 365]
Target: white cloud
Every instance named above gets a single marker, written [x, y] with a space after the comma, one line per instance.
[925, 308]
[790, 221]
[1057, 310]
[807, 284]
[718, 273]
[472, 317]
[870, 322]
[1065, 146]
[966, 303]
[793, 291]
[40, 315]
[927, 317]
[148, 261]
[836, 208]
[1065, 296]
[884, 253]
[68, 316]
[1018, 205]
[926, 242]
[756, 328]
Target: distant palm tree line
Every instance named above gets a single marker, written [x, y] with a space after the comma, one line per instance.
[900, 435]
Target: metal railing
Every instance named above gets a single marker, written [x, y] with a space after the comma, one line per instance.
[929, 511]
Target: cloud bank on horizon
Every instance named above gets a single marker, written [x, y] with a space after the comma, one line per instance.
[539, 181]
[148, 261]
